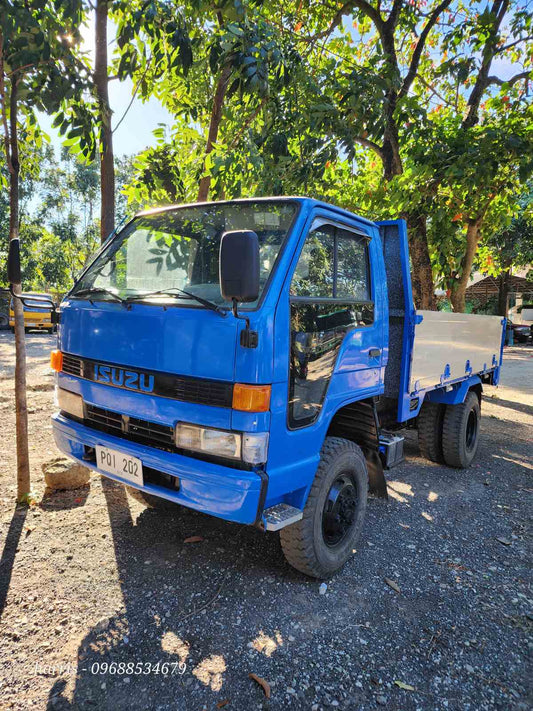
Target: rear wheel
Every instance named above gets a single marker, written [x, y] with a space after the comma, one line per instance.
[323, 540]
[460, 433]
[151, 501]
[430, 421]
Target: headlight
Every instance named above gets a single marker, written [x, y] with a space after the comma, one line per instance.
[69, 402]
[216, 442]
[248, 447]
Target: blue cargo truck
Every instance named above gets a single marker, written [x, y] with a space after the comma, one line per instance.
[256, 360]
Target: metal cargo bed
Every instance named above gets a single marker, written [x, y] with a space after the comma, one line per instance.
[429, 350]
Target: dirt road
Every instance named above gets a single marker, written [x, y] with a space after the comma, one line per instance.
[95, 589]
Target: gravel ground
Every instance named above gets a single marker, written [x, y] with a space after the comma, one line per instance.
[91, 577]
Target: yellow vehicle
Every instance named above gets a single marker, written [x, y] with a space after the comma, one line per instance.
[35, 316]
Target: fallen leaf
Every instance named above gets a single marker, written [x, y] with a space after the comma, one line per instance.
[404, 525]
[504, 541]
[392, 584]
[407, 687]
[221, 704]
[193, 539]
[262, 683]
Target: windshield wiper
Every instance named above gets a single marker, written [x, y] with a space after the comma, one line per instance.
[176, 293]
[98, 290]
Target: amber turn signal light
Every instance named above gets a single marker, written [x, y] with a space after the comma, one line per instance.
[251, 398]
[56, 361]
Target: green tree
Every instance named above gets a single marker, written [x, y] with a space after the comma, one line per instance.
[390, 68]
[38, 70]
[509, 248]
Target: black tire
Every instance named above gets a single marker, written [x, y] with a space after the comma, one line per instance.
[335, 507]
[460, 432]
[151, 501]
[50, 330]
[430, 421]
[12, 329]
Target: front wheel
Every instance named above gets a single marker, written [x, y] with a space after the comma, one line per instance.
[460, 432]
[323, 540]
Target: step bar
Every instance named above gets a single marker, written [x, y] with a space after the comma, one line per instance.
[281, 515]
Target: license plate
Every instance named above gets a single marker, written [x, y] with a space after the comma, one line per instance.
[124, 466]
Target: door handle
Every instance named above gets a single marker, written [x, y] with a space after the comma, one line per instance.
[374, 353]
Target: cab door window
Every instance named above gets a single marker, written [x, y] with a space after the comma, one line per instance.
[330, 295]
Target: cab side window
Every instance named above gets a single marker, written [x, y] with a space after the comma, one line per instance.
[353, 280]
[330, 295]
[314, 274]
[333, 264]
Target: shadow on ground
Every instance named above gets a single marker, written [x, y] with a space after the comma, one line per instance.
[220, 608]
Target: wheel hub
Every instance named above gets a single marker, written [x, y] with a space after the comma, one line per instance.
[471, 430]
[338, 516]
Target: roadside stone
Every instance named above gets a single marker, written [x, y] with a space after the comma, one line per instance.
[61, 474]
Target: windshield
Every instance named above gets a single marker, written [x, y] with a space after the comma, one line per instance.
[179, 249]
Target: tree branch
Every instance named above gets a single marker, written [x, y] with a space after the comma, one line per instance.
[369, 144]
[499, 50]
[435, 92]
[499, 8]
[394, 13]
[511, 81]
[362, 5]
[247, 123]
[415, 59]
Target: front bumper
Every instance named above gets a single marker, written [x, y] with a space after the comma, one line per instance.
[34, 321]
[211, 488]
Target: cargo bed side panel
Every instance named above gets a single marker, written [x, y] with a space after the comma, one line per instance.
[449, 346]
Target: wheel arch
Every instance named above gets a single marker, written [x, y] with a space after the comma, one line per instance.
[457, 393]
[358, 422]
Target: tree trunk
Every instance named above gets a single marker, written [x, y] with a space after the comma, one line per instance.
[101, 80]
[504, 286]
[459, 286]
[214, 125]
[421, 272]
[23, 459]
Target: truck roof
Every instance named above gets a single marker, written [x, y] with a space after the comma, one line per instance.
[284, 198]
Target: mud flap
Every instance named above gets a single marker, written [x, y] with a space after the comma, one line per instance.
[377, 484]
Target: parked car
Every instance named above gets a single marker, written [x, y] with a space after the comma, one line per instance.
[522, 332]
[36, 313]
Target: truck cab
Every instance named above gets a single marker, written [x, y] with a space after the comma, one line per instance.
[259, 404]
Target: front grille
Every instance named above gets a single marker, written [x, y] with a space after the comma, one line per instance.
[131, 428]
[151, 433]
[71, 365]
[177, 387]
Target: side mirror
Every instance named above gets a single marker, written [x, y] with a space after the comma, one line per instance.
[239, 266]
[13, 262]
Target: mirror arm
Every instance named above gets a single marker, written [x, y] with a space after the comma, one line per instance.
[249, 338]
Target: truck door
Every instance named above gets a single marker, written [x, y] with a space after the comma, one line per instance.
[335, 337]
